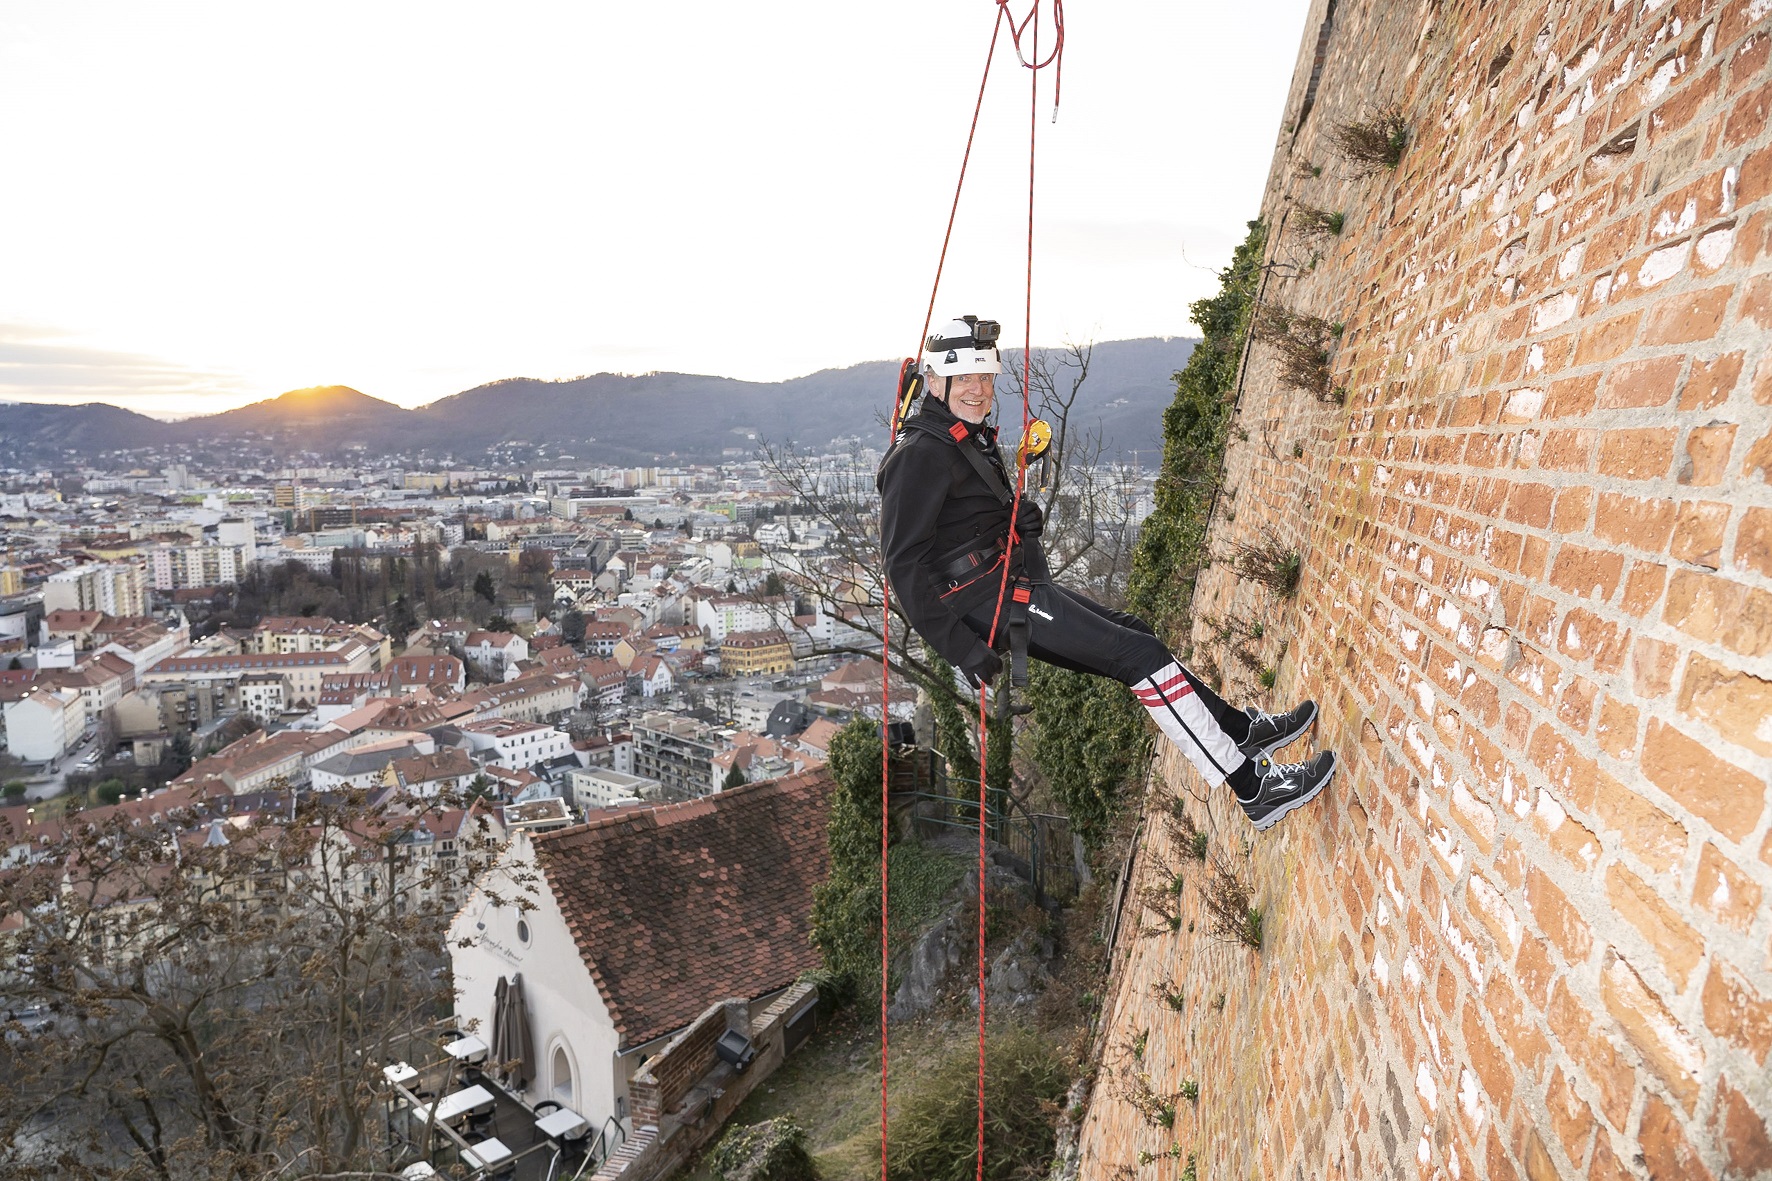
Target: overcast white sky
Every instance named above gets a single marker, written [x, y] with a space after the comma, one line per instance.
[210, 203]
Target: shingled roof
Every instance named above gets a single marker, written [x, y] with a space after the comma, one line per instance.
[676, 907]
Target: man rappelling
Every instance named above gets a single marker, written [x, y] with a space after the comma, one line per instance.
[947, 510]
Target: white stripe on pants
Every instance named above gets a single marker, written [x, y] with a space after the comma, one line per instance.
[1186, 722]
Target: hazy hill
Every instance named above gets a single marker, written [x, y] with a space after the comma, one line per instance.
[32, 432]
[606, 416]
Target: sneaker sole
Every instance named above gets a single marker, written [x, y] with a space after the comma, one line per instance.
[1283, 741]
[1278, 814]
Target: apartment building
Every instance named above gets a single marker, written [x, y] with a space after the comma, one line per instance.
[114, 588]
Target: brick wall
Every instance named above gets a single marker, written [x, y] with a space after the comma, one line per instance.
[664, 1137]
[1524, 935]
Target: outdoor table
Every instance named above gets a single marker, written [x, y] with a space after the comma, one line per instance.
[469, 1050]
[564, 1124]
[399, 1074]
[487, 1153]
[456, 1105]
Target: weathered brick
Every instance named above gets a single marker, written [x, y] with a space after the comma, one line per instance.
[1558, 918]
[1530, 504]
[1586, 573]
[1698, 533]
[1486, 1060]
[1537, 1161]
[1711, 382]
[1652, 666]
[1717, 610]
[1641, 383]
[1571, 1119]
[1725, 890]
[1604, 341]
[1753, 541]
[1665, 1149]
[1646, 581]
[1735, 1011]
[1748, 117]
[1676, 944]
[1735, 703]
[1667, 1048]
[1741, 1129]
[1707, 454]
[1719, 791]
[1686, 316]
[1644, 453]
[1578, 1034]
[1616, 730]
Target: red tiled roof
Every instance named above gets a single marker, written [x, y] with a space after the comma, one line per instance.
[676, 907]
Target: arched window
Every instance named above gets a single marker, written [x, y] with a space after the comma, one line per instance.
[560, 1067]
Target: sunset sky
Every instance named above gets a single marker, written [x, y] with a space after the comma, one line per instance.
[208, 204]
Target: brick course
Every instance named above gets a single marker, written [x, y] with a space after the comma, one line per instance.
[1524, 935]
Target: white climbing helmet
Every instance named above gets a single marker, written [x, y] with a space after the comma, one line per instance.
[966, 345]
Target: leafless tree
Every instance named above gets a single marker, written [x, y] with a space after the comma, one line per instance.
[214, 997]
[1089, 534]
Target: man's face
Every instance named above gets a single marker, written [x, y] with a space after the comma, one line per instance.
[971, 396]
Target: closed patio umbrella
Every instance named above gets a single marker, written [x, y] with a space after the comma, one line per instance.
[496, 1051]
[518, 1041]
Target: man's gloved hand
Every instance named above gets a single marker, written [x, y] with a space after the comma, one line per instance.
[1033, 560]
[981, 667]
[1029, 520]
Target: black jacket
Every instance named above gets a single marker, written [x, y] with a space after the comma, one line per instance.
[935, 506]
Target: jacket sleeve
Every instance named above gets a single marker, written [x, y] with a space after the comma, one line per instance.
[913, 486]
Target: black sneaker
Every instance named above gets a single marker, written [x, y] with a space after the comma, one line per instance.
[1281, 787]
[1269, 732]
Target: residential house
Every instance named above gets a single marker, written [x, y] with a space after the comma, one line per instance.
[678, 752]
[427, 776]
[640, 920]
[605, 683]
[44, 723]
[750, 653]
[516, 745]
[654, 676]
[491, 653]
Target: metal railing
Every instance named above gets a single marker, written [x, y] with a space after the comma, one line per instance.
[1037, 846]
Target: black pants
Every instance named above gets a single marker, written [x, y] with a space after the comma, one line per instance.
[1072, 632]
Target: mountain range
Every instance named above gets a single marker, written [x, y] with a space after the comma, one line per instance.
[605, 417]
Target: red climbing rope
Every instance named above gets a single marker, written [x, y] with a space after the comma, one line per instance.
[1032, 62]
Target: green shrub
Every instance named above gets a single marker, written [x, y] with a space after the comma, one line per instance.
[774, 1150]
[1087, 736]
[846, 906]
[934, 1130]
[109, 791]
[1172, 540]
[14, 790]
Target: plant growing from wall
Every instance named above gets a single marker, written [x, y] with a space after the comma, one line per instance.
[1188, 838]
[1271, 562]
[1373, 144]
[1135, 1088]
[1312, 222]
[1230, 904]
[1301, 344]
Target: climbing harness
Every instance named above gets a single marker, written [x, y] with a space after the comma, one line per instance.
[908, 387]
